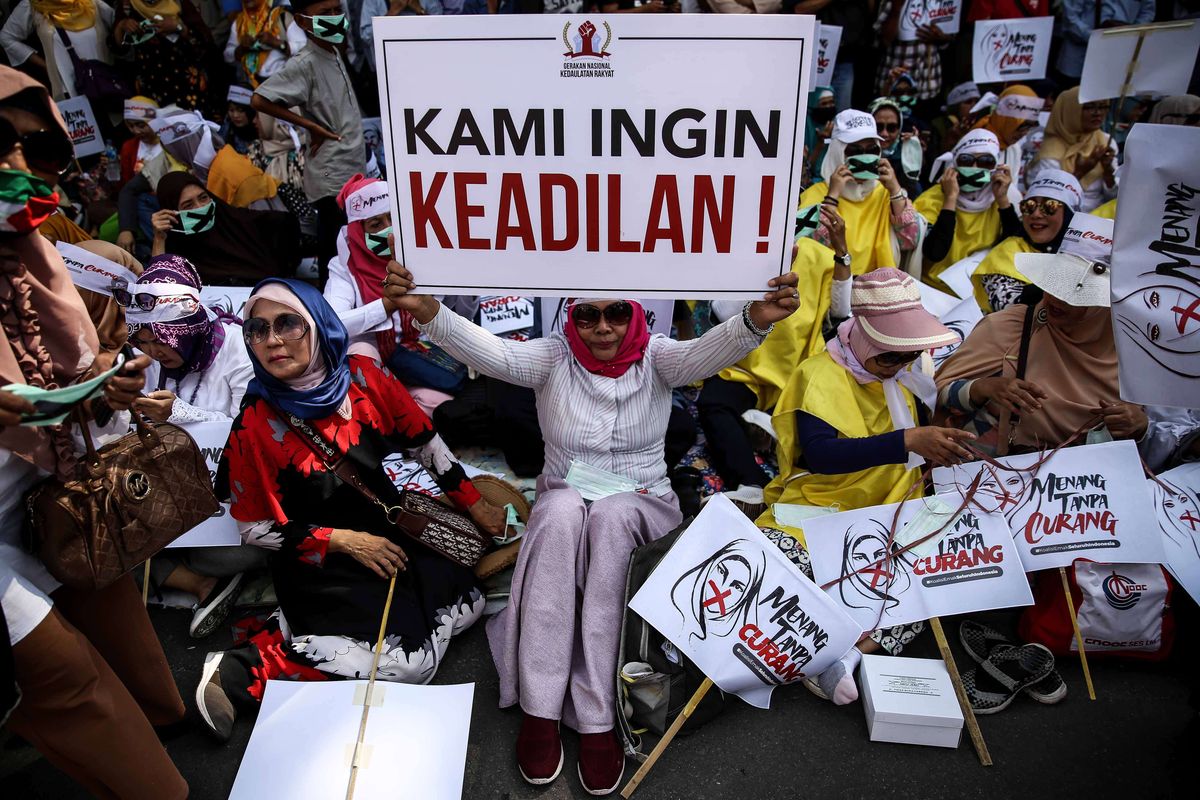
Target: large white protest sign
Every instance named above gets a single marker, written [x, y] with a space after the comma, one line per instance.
[564, 168]
[659, 315]
[414, 746]
[961, 319]
[1177, 505]
[230, 299]
[81, 126]
[1011, 49]
[92, 272]
[919, 13]
[732, 602]
[1156, 267]
[1084, 502]
[1166, 55]
[220, 529]
[973, 566]
[829, 39]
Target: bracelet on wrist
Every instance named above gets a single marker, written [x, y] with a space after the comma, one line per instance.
[750, 326]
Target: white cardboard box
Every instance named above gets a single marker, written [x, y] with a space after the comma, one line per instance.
[910, 701]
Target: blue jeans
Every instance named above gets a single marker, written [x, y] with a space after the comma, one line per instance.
[843, 85]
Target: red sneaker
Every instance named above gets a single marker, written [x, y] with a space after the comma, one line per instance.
[539, 750]
[601, 762]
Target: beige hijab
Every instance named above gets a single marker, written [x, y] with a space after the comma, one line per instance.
[1065, 140]
[1077, 366]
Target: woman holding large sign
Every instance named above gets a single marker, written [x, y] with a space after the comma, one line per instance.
[603, 390]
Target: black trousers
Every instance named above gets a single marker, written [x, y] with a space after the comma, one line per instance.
[721, 405]
[330, 220]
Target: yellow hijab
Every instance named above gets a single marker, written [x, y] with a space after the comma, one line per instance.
[70, 15]
[163, 8]
[1065, 140]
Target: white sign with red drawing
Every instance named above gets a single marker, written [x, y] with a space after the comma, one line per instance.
[1083, 502]
[731, 602]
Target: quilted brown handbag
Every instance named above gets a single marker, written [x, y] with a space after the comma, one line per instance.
[126, 502]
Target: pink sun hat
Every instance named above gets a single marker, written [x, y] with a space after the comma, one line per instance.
[887, 304]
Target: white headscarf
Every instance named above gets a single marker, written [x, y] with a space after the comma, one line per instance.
[978, 142]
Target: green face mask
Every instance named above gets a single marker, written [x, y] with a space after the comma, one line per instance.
[971, 179]
[864, 167]
[329, 27]
[807, 218]
[907, 101]
[198, 220]
[26, 201]
[377, 243]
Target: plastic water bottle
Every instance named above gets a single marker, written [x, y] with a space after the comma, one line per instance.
[114, 162]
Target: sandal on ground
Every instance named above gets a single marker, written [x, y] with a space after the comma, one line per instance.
[980, 641]
[995, 683]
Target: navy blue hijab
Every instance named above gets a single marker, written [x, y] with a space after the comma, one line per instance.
[334, 342]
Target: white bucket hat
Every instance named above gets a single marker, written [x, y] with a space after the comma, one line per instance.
[1079, 274]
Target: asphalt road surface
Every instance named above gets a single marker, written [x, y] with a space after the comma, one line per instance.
[1120, 746]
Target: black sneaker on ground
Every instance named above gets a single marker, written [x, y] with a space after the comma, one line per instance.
[980, 641]
[213, 610]
[995, 683]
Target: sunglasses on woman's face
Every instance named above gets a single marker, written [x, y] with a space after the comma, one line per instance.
[45, 150]
[969, 160]
[127, 299]
[1046, 205]
[288, 327]
[897, 359]
[586, 315]
[887, 127]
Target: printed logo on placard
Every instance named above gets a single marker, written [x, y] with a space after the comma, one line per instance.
[587, 51]
[1121, 592]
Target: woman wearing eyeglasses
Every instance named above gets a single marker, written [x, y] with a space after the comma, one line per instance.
[1075, 143]
[332, 550]
[852, 431]
[1049, 204]
[971, 208]
[603, 389]
[229, 246]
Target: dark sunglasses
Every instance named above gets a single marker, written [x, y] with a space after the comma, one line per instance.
[897, 359]
[288, 327]
[969, 160]
[45, 150]
[586, 315]
[128, 299]
[1047, 205]
[887, 127]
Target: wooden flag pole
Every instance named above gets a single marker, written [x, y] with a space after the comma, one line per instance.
[645, 768]
[146, 584]
[981, 748]
[362, 723]
[1087, 673]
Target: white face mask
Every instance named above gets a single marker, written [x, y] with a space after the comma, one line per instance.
[911, 157]
[594, 483]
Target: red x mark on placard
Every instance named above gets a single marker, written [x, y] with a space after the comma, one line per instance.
[718, 597]
[1187, 314]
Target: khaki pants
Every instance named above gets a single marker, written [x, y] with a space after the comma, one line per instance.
[94, 680]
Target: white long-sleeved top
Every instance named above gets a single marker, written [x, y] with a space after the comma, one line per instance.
[214, 394]
[88, 44]
[615, 424]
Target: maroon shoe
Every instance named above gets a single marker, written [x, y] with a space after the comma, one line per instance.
[539, 750]
[601, 762]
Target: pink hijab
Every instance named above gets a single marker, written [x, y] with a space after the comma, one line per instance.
[629, 352]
